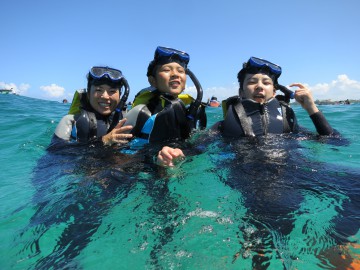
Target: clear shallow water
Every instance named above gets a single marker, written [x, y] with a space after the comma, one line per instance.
[284, 202]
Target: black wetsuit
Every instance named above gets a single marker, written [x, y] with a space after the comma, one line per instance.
[246, 117]
[84, 127]
[163, 118]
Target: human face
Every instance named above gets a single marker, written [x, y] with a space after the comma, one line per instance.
[169, 78]
[258, 87]
[104, 98]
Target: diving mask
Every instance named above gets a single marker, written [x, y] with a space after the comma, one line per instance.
[100, 72]
[164, 52]
[260, 63]
[255, 65]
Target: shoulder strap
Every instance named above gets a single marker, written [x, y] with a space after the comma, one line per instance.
[227, 102]
[86, 126]
[201, 117]
[144, 96]
[288, 117]
[186, 99]
[244, 120]
[143, 115]
[239, 109]
[180, 114]
[79, 101]
[114, 118]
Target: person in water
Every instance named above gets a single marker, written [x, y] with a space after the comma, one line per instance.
[96, 114]
[161, 112]
[257, 110]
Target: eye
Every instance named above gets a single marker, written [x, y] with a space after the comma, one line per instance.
[267, 82]
[165, 68]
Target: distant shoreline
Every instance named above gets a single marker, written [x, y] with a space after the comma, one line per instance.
[334, 102]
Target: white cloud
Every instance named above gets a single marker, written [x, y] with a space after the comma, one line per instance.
[220, 92]
[21, 89]
[191, 91]
[53, 90]
[340, 89]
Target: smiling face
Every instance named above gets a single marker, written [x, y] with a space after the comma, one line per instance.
[258, 87]
[104, 98]
[169, 78]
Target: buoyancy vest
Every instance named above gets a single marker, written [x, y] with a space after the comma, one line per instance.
[162, 117]
[245, 117]
[89, 126]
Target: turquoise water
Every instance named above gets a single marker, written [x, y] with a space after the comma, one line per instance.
[282, 202]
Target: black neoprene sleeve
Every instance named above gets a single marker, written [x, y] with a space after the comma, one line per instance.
[321, 124]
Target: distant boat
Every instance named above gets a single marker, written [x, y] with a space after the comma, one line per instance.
[213, 102]
[6, 91]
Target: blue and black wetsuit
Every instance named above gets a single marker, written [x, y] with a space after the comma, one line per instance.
[161, 118]
[245, 117]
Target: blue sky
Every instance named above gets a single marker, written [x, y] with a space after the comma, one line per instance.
[47, 47]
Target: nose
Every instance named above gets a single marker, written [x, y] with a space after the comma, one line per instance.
[105, 94]
[174, 73]
[259, 86]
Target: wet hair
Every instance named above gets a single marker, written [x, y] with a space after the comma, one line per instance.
[103, 80]
[254, 70]
[162, 61]
[151, 68]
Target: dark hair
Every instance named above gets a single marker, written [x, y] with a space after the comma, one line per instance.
[164, 60]
[103, 80]
[253, 70]
[151, 68]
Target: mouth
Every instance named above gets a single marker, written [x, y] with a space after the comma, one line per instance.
[174, 83]
[104, 105]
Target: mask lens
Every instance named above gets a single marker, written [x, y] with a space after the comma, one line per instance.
[168, 52]
[258, 62]
[114, 74]
[99, 72]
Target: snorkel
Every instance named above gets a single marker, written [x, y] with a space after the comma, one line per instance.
[287, 92]
[125, 96]
[118, 111]
[194, 106]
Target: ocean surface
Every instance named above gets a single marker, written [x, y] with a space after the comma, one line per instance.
[278, 202]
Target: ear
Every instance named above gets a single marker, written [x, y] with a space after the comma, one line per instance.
[241, 92]
[88, 91]
[274, 94]
[152, 81]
